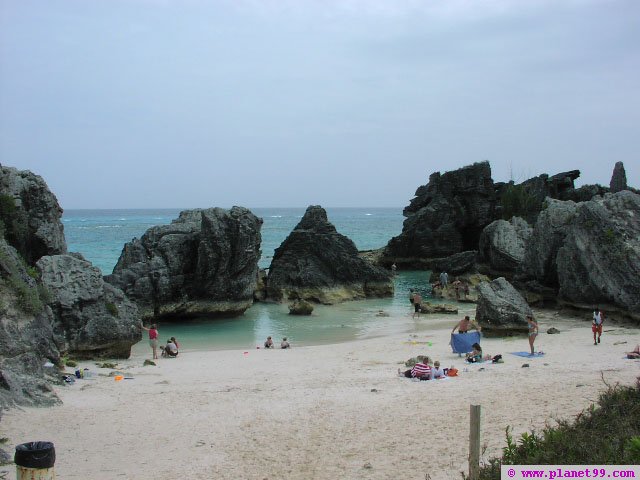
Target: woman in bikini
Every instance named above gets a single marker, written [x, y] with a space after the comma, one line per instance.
[533, 331]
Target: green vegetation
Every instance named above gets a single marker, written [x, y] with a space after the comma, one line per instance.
[112, 309]
[30, 300]
[609, 235]
[70, 363]
[516, 201]
[608, 434]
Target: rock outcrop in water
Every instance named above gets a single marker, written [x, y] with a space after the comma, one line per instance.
[31, 215]
[318, 264]
[447, 215]
[97, 320]
[205, 263]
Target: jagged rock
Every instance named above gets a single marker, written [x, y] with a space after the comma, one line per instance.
[260, 293]
[553, 331]
[318, 264]
[34, 228]
[618, 178]
[454, 265]
[96, 318]
[205, 263]
[502, 244]
[547, 237]
[501, 310]
[426, 307]
[300, 307]
[599, 260]
[27, 339]
[447, 215]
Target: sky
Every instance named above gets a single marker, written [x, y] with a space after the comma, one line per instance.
[288, 103]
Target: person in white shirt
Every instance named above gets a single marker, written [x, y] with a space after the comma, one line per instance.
[596, 326]
[436, 371]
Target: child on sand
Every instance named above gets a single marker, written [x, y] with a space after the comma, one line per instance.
[421, 370]
[268, 343]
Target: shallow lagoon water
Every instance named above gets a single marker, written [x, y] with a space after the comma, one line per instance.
[328, 324]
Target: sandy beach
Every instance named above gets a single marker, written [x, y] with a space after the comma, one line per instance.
[321, 412]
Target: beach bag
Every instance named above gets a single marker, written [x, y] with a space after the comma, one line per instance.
[452, 372]
[497, 359]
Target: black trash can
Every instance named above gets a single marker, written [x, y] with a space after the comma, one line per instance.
[35, 460]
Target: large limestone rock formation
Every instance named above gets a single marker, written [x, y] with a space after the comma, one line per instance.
[34, 227]
[502, 244]
[27, 339]
[318, 264]
[539, 263]
[618, 178]
[447, 215]
[501, 310]
[599, 261]
[589, 252]
[205, 263]
[96, 318]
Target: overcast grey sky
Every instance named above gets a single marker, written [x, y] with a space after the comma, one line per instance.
[263, 103]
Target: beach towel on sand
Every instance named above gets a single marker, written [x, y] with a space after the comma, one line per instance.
[461, 342]
[528, 354]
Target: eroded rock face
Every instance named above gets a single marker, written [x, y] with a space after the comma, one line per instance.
[27, 339]
[38, 230]
[501, 310]
[599, 260]
[502, 244]
[318, 264]
[547, 237]
[205, 263]
[96, 318]
[447, 215]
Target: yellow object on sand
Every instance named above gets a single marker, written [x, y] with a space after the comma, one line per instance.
[117, 378]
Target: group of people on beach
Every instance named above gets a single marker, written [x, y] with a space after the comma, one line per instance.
[268, 343]
[422, 370]
[169, 350]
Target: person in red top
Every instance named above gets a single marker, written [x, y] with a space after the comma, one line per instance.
[153, 339]
[421, 370]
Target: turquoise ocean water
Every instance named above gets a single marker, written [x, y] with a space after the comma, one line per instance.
[100, 235]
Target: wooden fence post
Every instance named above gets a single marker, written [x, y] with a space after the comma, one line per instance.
[474, 443]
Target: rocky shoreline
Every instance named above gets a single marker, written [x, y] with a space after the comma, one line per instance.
[543, 242]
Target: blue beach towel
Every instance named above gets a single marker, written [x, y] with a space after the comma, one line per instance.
[461, 342]
[528, 354]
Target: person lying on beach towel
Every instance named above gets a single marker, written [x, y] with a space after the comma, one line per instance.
[635, 353]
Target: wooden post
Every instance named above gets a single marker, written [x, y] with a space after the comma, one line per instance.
[474, 443]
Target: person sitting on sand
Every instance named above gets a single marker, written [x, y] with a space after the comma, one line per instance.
[436, 371]
[284, 343]
[635, 353]
[465, 325]
[170, 349]
[475, 355]
[268, 343]
[420, 370]
[173, 339]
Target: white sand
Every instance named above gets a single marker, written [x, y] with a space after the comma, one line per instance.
[323, 412]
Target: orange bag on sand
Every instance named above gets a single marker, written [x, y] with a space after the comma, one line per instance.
[453, 372]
